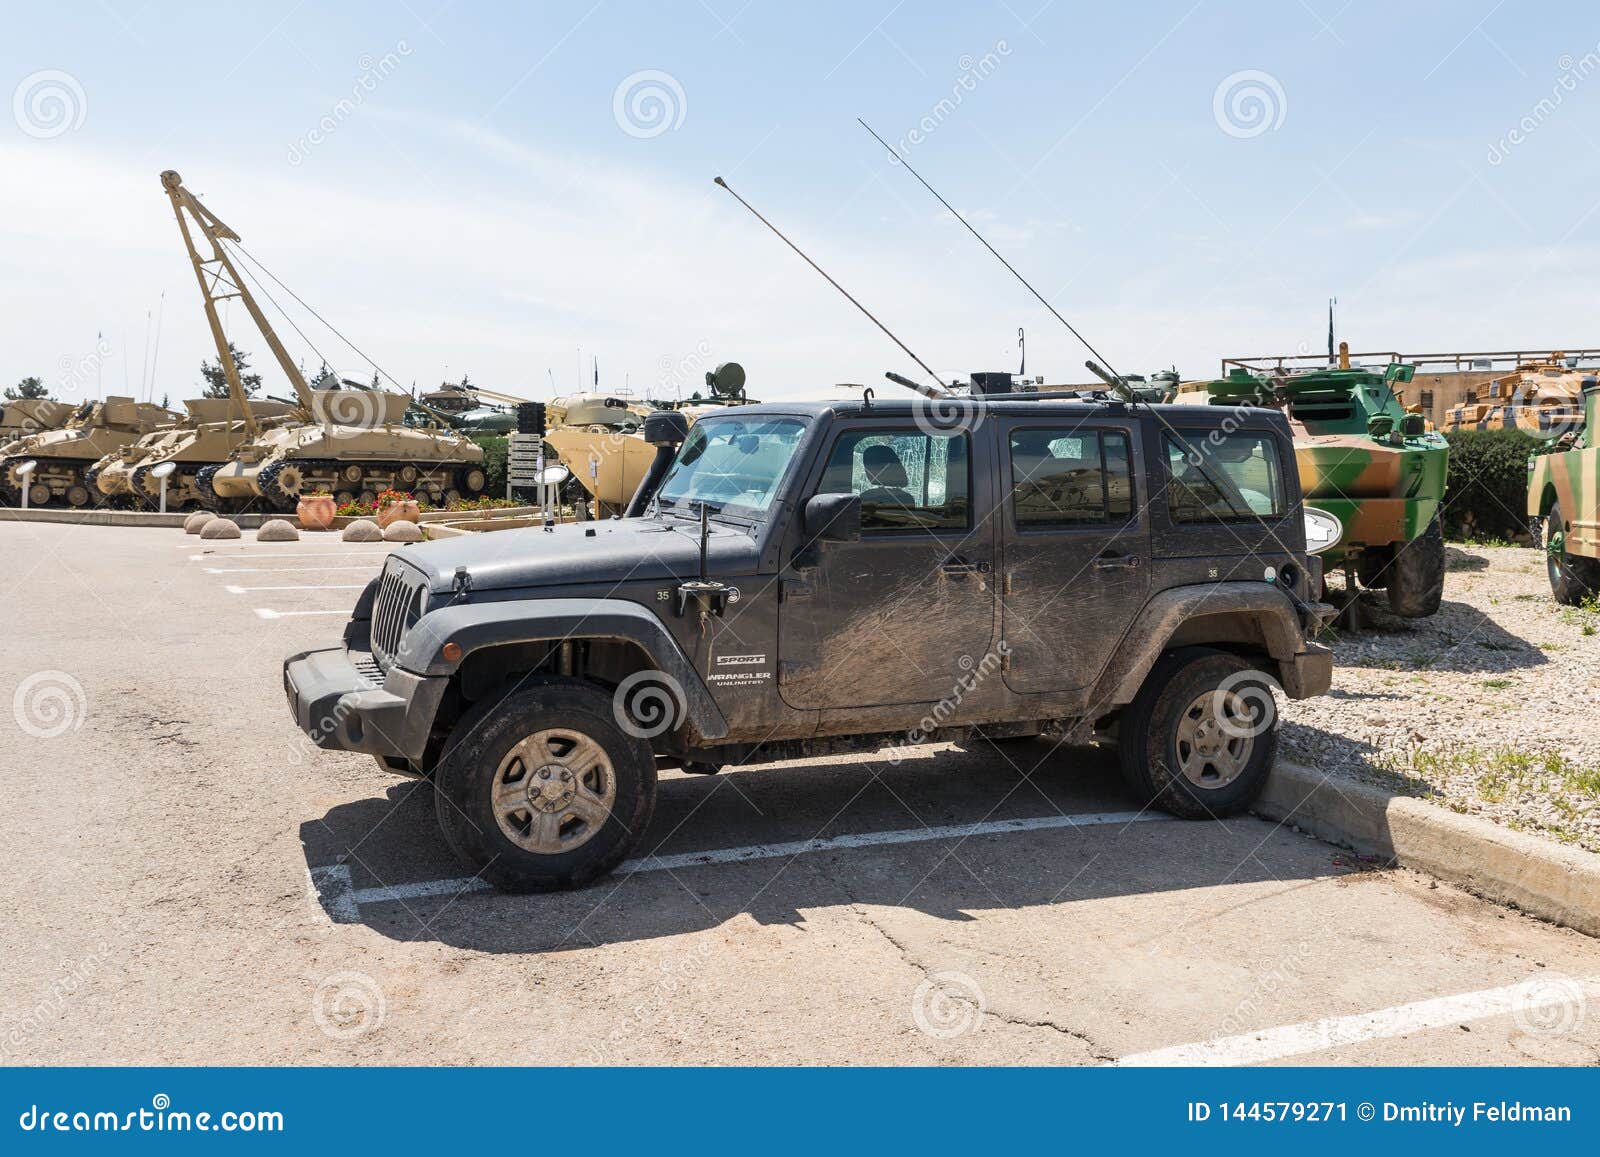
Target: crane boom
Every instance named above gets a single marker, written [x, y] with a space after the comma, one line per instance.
[218, 273]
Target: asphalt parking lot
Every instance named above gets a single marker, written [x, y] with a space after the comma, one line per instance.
[188, 883]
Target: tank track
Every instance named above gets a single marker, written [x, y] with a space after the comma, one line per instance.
[451, 478]
[75, 468]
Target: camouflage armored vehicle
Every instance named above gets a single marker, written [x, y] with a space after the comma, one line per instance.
[829, 576]
[25, 416]
[207, 437]
[1564, 503]
[1542, 399]
[1367, 461]
[65, 456]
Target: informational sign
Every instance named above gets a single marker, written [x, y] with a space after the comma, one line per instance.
[524, 459]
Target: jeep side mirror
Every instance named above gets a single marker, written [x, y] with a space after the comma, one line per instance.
[833, 518]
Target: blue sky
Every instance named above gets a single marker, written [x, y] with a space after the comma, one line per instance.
[486, 198]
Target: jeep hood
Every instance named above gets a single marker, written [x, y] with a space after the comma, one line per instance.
[613, 551]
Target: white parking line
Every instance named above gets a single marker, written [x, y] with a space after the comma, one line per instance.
[333, 883]
[351, 554]
[233, 590]
[269, 613]
[1539, 998]
[277, 569]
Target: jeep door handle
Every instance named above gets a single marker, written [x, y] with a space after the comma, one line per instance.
[1110, 561]
[959, 565]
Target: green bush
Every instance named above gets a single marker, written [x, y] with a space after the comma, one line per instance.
[494, 463]
[1486, 492]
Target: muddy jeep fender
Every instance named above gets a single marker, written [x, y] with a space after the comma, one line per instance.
[477, 627]
[1257, 615]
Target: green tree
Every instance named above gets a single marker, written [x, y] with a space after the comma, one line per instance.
[30, 387]
[217, 379]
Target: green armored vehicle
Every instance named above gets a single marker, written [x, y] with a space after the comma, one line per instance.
[1368, 462]
[1564, 503]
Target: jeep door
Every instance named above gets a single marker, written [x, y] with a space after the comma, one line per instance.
[888, 619]
[1075, 560]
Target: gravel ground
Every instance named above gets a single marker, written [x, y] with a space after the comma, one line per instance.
[1490, 707]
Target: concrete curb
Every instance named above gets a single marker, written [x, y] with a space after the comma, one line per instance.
[1544, 879]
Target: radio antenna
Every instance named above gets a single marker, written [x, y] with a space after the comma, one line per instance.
[926, 391]
[1201, 462]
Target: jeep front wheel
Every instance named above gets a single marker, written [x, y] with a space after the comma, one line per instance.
[1200, 737]
[543, 790]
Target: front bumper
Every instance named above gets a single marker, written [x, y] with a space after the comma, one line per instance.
[1308, 673]
[343, 706]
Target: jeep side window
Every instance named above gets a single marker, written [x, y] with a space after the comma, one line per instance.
[907, 480]
[1069, 477]
[1249, 462]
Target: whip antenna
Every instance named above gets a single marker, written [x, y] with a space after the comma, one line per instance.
[927, 391]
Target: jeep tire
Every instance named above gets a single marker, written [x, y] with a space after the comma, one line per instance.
[542, 789]
[1573, 578]
[1416, 577]
[1200, 737]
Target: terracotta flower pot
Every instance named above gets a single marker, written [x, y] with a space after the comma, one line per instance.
[396, 511]
[315, 511]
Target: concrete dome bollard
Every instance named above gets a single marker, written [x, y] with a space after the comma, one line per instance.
[220, 528]
[195, 521]
[277, 530]
[362, 530]
[402, 530]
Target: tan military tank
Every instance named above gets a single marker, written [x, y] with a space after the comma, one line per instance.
[1542, 398]
[63, 457]
[210, 434]
[351, 443]
[599, 437]
[26, 416]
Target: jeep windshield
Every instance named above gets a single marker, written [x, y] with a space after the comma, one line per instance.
[731, 463]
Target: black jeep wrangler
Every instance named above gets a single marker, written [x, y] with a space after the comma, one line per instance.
[802, 578]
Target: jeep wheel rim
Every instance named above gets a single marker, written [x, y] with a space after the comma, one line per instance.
[1215, 739]
[554, 791]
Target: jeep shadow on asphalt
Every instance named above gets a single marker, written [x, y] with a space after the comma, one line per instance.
[394, 841]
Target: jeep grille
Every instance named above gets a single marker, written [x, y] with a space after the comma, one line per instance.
[402, 598]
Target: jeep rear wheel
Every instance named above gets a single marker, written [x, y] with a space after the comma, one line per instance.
[543, 790]
[1200, 737]
[1573, 578]
[1416, 577]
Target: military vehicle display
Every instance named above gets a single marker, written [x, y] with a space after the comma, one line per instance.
[212, 431]
[64, 457]
[1367, 461]
[1542, 399]
[819, 576]
[351, 443]
[598, 437]
[25, 416]
[1564, 506]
